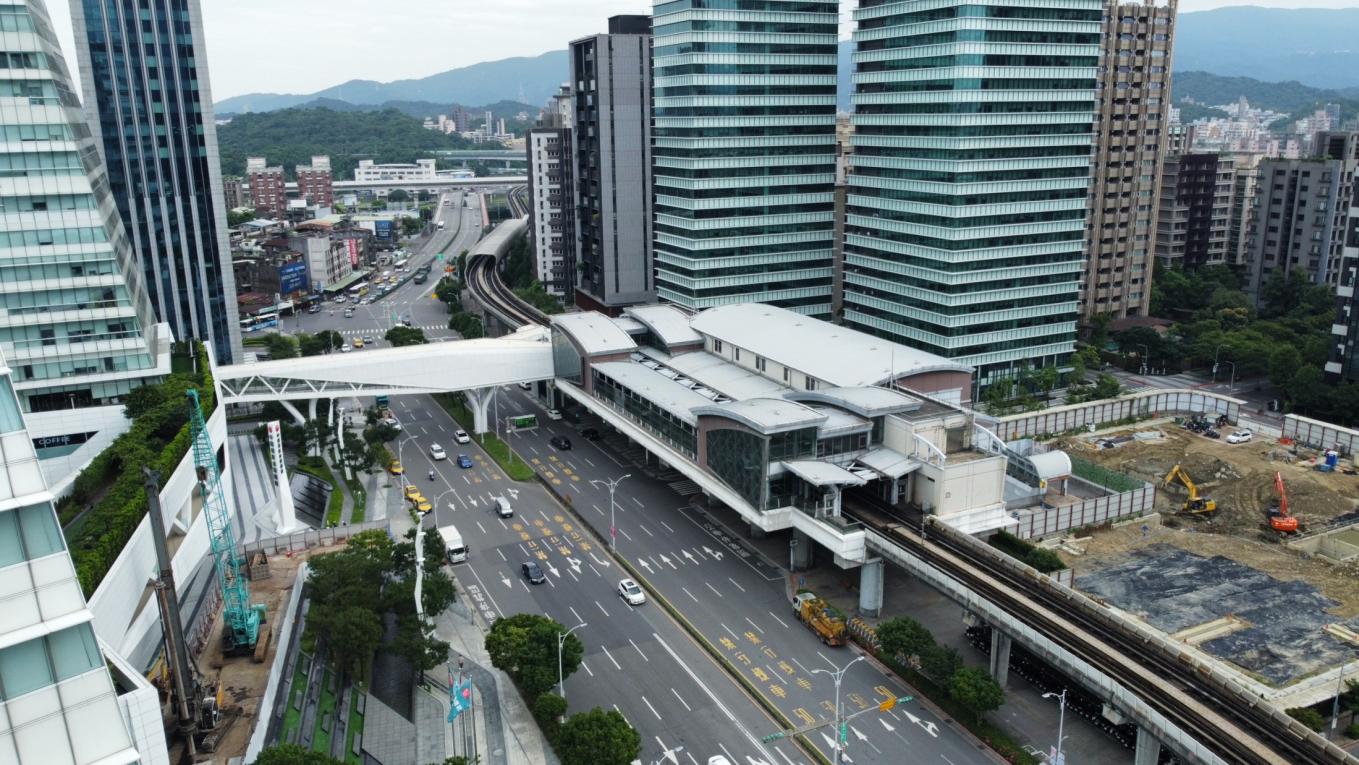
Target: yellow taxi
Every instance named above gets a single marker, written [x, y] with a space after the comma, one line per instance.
[412, 492]
[423, 506]
[358, 342]
[394, 467]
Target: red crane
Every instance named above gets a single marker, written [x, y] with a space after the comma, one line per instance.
[1279, 519]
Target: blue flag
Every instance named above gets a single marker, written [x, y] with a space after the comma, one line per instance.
[459, 698]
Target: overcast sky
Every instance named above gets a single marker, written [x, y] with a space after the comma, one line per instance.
[301, 46]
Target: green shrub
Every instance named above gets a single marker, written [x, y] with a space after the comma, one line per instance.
[1046, 561]
[548, 711]
[1307, 716]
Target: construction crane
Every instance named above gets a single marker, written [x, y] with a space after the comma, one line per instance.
[241, 621]
[1279, 519]
[1195, 504]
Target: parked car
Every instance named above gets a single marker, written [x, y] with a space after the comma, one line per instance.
[461, 437]
[553, 414]
[413, 492]
[437, 452]
[1240, 437]
[560, 442]
[349, 313]
[533, 573]
[368, 339]
[392, 423]
[464, 461]
[358, 342]
[423, 506]
[394, 467]
[631, 592]
[525, 386]
[345, 349]
[590, 434]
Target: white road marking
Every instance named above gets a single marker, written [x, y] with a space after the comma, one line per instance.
[601, 608]
[639, 651]
[592, 568]
[727, 753]
[690, 594]
[615, 662]
[573, 613]
[487, 590]
[737, 586]
[759, 747]
[639, 503]
[784, 756]
[597, 510]
[667, 527]
[620, 531]
[653, 709]
[753, 624]
[695, 762]
[681, 700]
[587, 461]
[572, 572]
[577, 488]
[535, 451]
[828, 661]
[800, 666]
[714, 589]
[620, 712]
[644, 528]
[587, 668]
[525, 586]
[502, 555]
[729, 631]
[483, 528]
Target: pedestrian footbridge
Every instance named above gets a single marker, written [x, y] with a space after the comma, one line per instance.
[474, 367]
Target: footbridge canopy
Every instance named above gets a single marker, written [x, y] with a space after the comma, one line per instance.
[461, 365]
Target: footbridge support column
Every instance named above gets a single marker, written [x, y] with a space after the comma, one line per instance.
[1148, 748]
[800, 557]
[297, 416]
[479, 401]
[1000, 657]
[871, 575]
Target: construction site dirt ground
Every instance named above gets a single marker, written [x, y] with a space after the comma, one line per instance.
[1128, 564]
[242, 679]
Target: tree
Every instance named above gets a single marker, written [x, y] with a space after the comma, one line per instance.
[1307, 716]
[548, 710]
[598, 737]
[524, 646]
[939, 662]
[1106, 386]
[535, 295]
[997, 396]
[292, 754]
[411, 226]
[975, 690]
[1047, 378]
[399, 336]
[239, 217]
[330, 339]
[280, 346]
[398, 195]
[1284, 362]
[903, 636]
[1099, 329]
[352, 634]
[415, 642]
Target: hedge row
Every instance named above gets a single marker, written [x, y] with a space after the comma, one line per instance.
[1046, 561]
[159, 438]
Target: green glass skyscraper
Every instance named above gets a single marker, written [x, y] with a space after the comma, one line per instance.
[743, 151]
[966, 211]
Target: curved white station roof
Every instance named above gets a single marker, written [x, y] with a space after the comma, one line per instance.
[767, 415]
[836, 354]
[595, 332]
[669, 323]
[866, 402]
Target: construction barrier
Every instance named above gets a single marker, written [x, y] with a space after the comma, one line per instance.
[1316, 434]
[1045, 521]
[305, 540]
[1144, 405]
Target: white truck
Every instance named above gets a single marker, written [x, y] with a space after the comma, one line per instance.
[453, 544]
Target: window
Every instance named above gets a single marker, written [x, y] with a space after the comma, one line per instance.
[717, 346]
[759, 363]
[46, 660]
[28, 533]
[811, 383]
[736, 353]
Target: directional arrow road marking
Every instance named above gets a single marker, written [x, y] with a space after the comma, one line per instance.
[667, 562]
[575, 564]
[929, 727]
[886, 725]
[599, 562]
[714, 553]
[506, 580]
[643, 563]
[688, 555]
[553, 571]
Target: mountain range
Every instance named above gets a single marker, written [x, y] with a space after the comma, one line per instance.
[1317, 48]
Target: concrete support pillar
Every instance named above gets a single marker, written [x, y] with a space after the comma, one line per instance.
[479, 401]
[297, 416]
[871, 575]
[801, 556]
[1148, 748]
[1000, 656]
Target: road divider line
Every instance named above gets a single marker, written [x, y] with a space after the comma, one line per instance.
[639, 503]
[639, 650]
[681, 700]
[712, 697]
[714, 589]
[690, 594]
[587, 668]
[667, 527]
[572, 609]
[644, 528]
[753, 624]
[612, 659]
[653, 709]
[601, 608]
[777, 619]
[737, 586]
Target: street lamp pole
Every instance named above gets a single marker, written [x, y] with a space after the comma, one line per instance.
[1217, 351]
[561, 640]
[1061, 722]
[837, 676]
[1146, 354]
[1335, 708]
[612, 483]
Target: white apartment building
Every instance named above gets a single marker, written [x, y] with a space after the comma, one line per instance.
[369, 171]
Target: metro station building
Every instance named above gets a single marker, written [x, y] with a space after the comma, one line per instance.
[776, 414]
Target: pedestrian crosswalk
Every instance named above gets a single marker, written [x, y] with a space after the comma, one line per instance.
[378, 333]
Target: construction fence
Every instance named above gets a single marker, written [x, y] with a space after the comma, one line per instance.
[305, 540]
[1044, 521]
[1096, 414]
[1321, 435]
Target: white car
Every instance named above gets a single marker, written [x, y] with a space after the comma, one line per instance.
[461, 437]
[437, 452]
[1240, 437]
[553, 414]
[392, 423]
[345, 348]
[631, 592]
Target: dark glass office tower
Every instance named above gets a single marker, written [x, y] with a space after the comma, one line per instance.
[144, 73]
[743, 151]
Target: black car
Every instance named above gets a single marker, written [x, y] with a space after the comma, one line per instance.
[589, 434]
[561, 442]
[532, 573]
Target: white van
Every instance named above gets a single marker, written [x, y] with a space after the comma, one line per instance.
[457, 551]
[502, 508]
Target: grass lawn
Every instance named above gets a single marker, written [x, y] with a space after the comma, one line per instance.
[355, 727]
[514, 467]
[321, 741]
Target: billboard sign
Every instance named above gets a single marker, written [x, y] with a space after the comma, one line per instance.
[383, 230]
[292, 277]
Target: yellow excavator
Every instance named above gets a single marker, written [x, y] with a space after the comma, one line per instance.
[1195, 504]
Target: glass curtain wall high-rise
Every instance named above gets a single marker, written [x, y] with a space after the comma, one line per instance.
[144, 73]
[76, 326]
[743, 151]
[965, 220]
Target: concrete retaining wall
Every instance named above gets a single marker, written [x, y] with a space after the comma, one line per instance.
[1148, 404]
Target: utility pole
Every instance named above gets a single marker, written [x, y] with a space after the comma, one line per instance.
[1058, 758]
[171, 626]
[841, 724]
[612, 483]
[561, 681]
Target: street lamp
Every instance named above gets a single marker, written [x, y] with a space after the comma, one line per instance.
[837, 676]
[561, 681]
[1217, 351]
[1058, 758]
[1339, 690]
[612, 483]
[1146, 354]
[436, 506]
[1231, 382]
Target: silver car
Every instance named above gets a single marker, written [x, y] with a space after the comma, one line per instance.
[631, 592]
